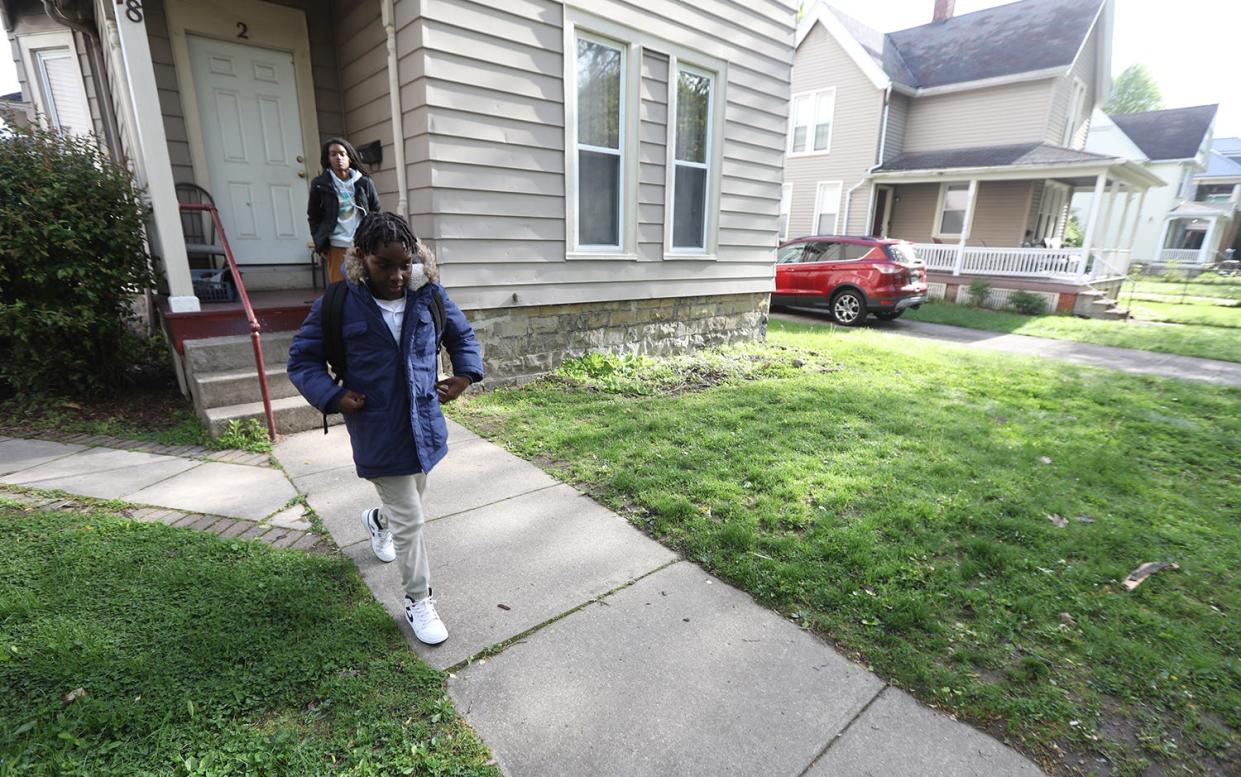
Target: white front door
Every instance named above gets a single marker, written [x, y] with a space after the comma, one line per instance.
[247, 103]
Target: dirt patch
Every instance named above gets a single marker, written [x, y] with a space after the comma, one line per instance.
[145, 410]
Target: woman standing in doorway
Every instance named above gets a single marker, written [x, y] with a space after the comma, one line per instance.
[339, 198]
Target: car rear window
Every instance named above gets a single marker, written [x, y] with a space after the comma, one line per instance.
[902, 253]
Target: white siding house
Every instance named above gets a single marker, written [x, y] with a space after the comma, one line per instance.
[590, 173]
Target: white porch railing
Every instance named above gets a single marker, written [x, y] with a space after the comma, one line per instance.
[1024, 262]
[1182, 255]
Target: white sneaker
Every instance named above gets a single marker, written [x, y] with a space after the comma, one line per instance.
[424, 620]
[381, 539]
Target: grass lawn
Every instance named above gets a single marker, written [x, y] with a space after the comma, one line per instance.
[1196, 313]
[1202, 286]
[958, 521]
[1211, 342]
[202, 656]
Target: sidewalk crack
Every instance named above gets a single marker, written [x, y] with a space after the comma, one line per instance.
[840, 734]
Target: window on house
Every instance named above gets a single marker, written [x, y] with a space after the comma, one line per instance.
[691, 159]
[1077, 110]
[812, 122]
[786, 206]
[955, 199]
[600, 142]
[826, 207]
[64, 97]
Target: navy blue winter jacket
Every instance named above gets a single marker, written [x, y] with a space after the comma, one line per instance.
[400, 430]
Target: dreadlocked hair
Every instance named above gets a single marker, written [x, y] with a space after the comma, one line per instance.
[379, 229]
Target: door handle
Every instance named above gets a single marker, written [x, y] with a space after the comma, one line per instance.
[300, 158]
[301, 173]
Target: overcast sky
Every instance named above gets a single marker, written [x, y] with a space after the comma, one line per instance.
[1189, 45]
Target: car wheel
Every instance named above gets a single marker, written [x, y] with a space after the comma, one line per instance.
[889, 316]
[848, 308]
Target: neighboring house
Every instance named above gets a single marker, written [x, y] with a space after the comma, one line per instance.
[1220, 184]
[13, 108]
[964, 135]
[592, 174]
[1175, 145]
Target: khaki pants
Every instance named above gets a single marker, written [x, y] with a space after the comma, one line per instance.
[401, 514]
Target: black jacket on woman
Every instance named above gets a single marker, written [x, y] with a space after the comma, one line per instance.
[323, 205]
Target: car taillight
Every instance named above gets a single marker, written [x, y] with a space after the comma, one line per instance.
[889, 269]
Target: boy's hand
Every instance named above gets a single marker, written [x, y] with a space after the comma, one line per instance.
[449, 389]
[351, 402]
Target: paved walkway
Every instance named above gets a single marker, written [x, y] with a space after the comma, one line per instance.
[1124, 359]
[578, 645]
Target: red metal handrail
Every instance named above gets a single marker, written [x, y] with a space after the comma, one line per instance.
[250, 317]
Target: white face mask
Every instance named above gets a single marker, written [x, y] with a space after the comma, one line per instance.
[417, 275]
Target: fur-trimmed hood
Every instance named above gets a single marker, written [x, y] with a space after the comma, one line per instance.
[355, 269]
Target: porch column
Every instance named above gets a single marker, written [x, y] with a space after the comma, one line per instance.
[1163, 240]
[1137, 222]
[967, 226]
[1124, 216]
[1092, 222]
[166, 238]
[1207, 251]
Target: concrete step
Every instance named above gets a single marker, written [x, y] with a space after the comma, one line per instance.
[236, 387]
[293, 414]
[225, 354]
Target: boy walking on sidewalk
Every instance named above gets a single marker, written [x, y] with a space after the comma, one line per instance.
[390, 323]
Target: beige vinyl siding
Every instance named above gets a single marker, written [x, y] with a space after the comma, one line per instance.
[898, 125]
[1084, 68]
[821, 63]
[995, 116]
[319, 23]
[169, 93]
[362, 56]
[484, 87]
[913, 217]
[652, 154]
[1000, 213]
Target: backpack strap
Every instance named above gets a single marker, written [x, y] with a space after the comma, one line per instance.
[331, 318]
[439, 317]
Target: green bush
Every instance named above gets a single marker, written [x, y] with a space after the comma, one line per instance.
[72, 256]
[1027, 302]
[1172, 273]
[978, 291]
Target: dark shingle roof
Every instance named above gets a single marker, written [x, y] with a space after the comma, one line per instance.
[1020, 37]
[1172, 134]
[15, 97]
[989, 156]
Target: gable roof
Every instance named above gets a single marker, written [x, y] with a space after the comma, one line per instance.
[1176, 133]
[1227, 146]
[1220, 166]
[992, 43]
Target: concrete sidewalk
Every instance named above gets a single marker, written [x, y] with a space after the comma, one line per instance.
[579, 646]
[1124, 359]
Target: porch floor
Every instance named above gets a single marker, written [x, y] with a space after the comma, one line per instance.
[277, 310]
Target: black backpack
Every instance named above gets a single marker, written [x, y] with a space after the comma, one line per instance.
[331, 313]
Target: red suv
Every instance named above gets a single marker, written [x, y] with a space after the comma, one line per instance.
[850, 276]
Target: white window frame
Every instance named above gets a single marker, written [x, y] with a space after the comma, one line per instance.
[939, 210]
[627, 245]
[786, 210]
[706, 246]
[818, 206]
[1077, 107]
[579, 22]
[1055, 193]
[31, 46]
[814, 95]
[680, 58]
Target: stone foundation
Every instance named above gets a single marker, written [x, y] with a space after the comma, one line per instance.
[521, 343]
